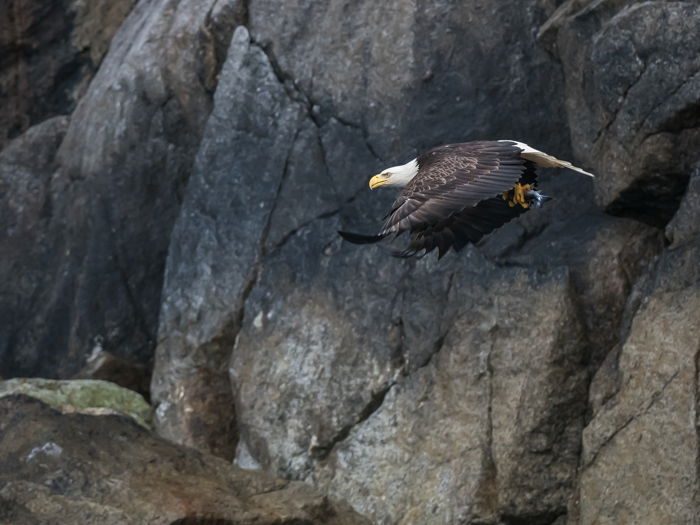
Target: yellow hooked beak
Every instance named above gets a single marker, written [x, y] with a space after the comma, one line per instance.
[378, 180]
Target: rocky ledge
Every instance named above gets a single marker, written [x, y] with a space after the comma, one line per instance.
[78, 468]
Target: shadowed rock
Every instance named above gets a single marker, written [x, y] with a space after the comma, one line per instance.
[116, 187]
[686, 223]
[49, 52]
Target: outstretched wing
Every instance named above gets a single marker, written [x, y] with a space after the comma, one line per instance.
[451, 178]
[468, 225]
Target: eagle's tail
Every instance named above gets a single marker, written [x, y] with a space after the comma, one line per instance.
[358, 238]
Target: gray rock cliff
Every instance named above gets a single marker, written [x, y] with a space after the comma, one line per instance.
[182, 214]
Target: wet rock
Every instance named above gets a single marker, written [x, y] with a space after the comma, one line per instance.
[116, 189]
[78, 469]
[83, 396]
[638, 451]
[49, 52]
[632, 97]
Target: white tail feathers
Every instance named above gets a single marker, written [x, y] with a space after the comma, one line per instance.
[544, 160]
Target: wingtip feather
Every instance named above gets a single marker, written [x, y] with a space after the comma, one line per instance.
[358, 238]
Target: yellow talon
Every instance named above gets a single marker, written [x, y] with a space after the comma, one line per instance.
[519, 191]
[517, 196]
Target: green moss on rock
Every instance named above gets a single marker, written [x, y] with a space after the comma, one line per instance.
[87, 396]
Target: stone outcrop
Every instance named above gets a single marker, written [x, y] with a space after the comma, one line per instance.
[116, 183]
[639, 461]
[632, 92]
[83, 396]
[490, 424]
[77, 468]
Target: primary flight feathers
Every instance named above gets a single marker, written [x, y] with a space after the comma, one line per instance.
[457, 193]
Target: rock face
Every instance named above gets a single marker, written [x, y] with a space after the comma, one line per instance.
[490, 424]
[189, 207]
[89, 469]
[649, 423]
[48, 55]
[633, 93]
[115, 188]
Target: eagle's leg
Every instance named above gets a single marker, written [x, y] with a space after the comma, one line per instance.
[518, 195]
[521, 193]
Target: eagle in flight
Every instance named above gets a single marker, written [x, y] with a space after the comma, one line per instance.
[457, 193]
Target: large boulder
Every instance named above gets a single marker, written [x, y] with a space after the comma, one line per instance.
[256, 141]
[77, 468]
[487, 430]
[632, 97]
[116, 184]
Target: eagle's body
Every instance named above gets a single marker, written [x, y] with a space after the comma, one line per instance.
[457, 193]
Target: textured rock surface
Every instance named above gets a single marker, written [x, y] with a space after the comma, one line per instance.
[115, 191]
[292, 141]
[202, 302]
[412, 74]
[606, 256]
[490, 424]
[103, 469]
[633, 93]
[49, 52]
[84, 396]
[639, 462]
[27, 186]
[547, 375]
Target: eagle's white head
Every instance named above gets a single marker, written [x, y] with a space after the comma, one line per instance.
[397, 176]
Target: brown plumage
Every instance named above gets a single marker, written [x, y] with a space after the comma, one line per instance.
[457, 193]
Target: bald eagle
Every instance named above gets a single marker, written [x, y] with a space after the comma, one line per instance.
[457, 193]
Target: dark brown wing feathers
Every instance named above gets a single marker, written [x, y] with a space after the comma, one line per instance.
[452, 178]
[456, 197]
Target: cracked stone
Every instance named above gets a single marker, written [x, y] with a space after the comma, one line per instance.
[116, 185]
[490, 425]
[632, 99]
[203, 295]
[649, 424]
